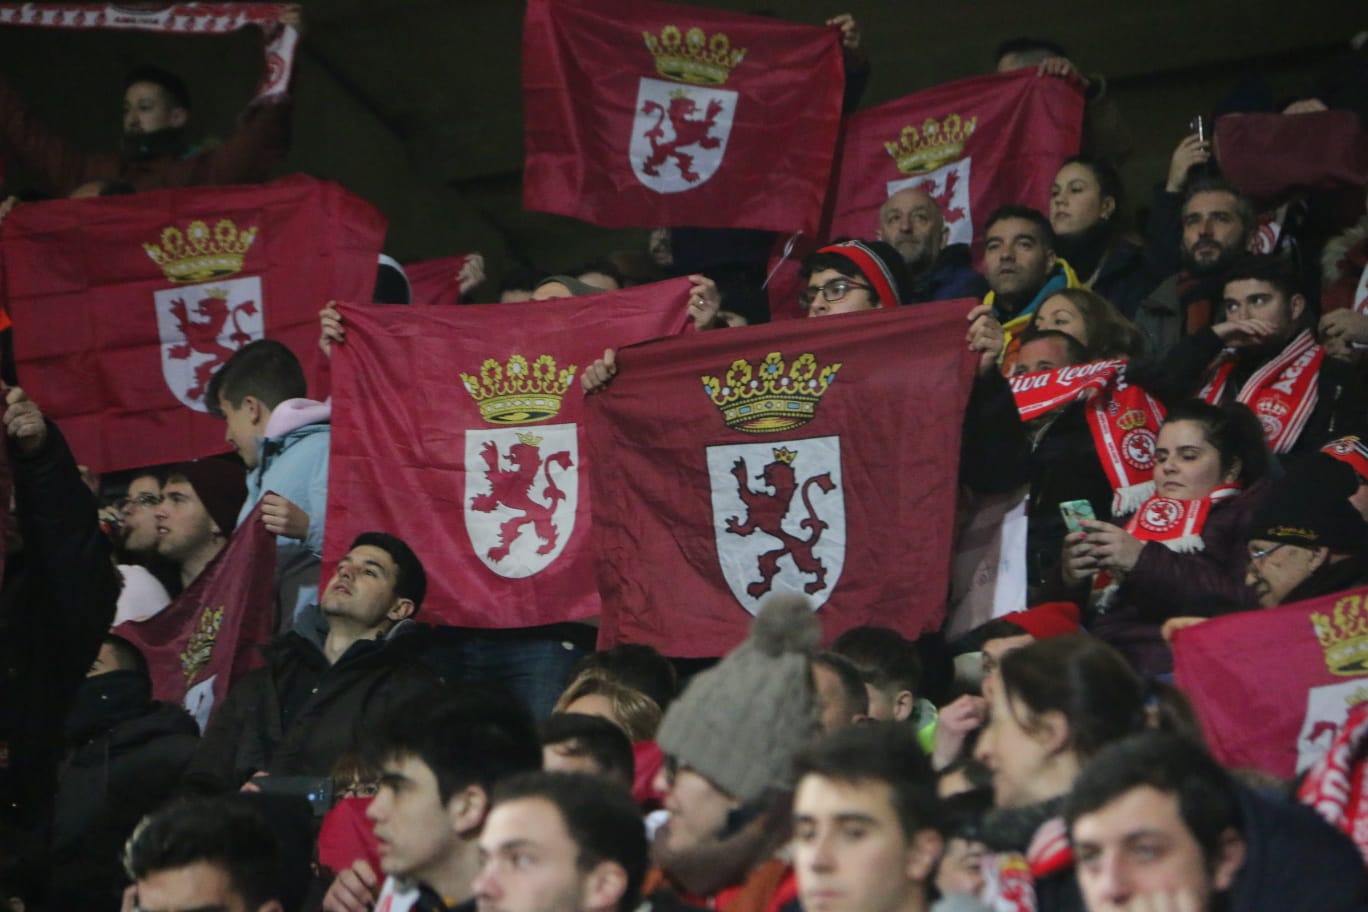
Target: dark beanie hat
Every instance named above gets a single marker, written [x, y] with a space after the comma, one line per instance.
[220, 484]
[1309, 506]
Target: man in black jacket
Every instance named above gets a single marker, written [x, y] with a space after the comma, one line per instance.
[58, 598]
[308, 706]
[126, 754]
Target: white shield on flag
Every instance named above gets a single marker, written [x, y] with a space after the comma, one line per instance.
[779, 518]
[1327, 708]
[521, 493]
[949, 187]
[200, 327]
[680, 134]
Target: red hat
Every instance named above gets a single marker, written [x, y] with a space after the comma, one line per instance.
[1050, 619]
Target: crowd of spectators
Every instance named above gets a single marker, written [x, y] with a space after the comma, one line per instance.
[1044, 760]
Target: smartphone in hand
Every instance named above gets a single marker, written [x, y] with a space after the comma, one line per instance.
[1074, 512]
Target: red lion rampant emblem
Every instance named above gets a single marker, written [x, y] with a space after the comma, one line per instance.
[201, 329]
[765, 512]
[689, 130]
[513, 489]
[945, 198]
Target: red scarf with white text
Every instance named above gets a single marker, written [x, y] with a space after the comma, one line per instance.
[1124, 421]
[1283, 393]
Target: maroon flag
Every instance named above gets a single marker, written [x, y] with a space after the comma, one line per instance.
[458, 429]
[1269, 156]
[1273, 687]
[639, 113]
[124, 306]
[435, 282]
[972, 145]
[815, 456]
[209, 636]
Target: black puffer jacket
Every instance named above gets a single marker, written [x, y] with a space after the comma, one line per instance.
[297, 715]
[112, 778]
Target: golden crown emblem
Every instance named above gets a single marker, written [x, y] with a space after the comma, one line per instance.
[1343, 634]
[693, 57]
[200, 647]
[784, 455]
[1131, 420]
[935, 143]
[198, 254]
[518, 392]
[771, 396]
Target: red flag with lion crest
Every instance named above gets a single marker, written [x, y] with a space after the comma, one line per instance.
[124, 306]
[640, 113]
[815, 456]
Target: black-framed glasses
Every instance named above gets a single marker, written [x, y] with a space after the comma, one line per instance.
[142, 500]
[833, 291]
[1264, 552]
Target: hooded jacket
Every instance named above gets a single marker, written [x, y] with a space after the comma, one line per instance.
[292, 461]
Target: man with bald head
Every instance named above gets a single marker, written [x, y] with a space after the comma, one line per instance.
[911, 220]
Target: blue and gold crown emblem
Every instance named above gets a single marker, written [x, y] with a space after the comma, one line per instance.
[773, 395]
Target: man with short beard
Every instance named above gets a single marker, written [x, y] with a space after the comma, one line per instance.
[197, 513]
[912, 221]
[1218, 224]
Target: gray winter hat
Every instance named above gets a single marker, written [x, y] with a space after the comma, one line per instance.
[741, 722]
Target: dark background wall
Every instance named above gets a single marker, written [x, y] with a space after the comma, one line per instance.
[415, 104]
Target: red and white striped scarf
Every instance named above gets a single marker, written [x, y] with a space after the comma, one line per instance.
[1010, 877]
[1124, 421]
[1337, 784]
[176, 18]
[1283, 393]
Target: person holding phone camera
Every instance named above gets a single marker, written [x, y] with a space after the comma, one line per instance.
[1183, 550]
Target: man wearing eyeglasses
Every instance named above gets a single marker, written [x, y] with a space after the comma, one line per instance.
[138, 529]
[1307, 539]
[853, 276]
[848, 277]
